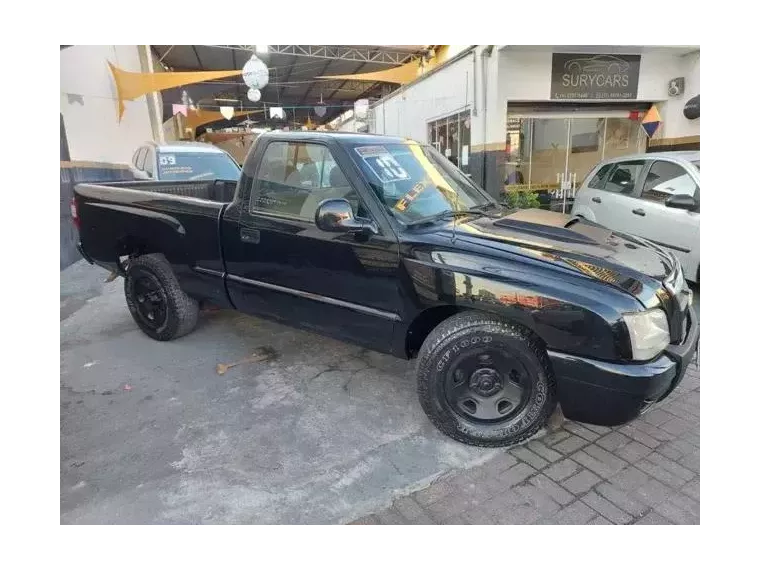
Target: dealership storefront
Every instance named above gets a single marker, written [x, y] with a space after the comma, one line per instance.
[540, 117]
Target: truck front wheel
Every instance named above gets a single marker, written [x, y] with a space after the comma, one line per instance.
[485, 381]
[159, 307]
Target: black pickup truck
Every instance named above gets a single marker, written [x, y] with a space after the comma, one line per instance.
[382, 242]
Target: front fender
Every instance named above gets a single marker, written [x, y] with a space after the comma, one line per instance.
[570, 315]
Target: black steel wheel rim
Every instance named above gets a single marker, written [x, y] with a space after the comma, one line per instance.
[150, 300]
[487, 386]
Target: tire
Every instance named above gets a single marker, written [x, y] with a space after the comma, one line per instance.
[467, 356]
[157, 303]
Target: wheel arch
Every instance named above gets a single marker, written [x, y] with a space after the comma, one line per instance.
[424, 323]
[584, 212]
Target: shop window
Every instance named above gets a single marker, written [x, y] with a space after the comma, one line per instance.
[518, 155]
[451, 136]
[550, 152]
[622, 136]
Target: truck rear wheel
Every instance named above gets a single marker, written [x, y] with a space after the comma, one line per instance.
[485, 381]
[159, 307]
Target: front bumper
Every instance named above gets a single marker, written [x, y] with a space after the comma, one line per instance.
[610, 394]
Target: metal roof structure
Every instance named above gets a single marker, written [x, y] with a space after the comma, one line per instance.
[293, 72]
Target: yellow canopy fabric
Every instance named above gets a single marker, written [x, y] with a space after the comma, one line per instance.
[131, 85]
[201, 117]
[402, 74]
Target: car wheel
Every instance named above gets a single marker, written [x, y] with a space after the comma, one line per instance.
[485, 381]
[157, 303]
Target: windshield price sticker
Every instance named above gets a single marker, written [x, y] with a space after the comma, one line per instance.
[167, 160]
[178, 170]
[410, 196]
[382, 163]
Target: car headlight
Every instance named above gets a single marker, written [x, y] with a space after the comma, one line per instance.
[649, 333]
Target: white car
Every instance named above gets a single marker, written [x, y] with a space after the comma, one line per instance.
[182, 160]
[653, 195]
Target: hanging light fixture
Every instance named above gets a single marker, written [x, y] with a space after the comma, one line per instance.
[254, 95]
[320, 110]
[255, 73]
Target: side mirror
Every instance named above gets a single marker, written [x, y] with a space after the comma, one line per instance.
[682, 202]
[336, 215]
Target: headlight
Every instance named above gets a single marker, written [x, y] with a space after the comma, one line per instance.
[649, 333]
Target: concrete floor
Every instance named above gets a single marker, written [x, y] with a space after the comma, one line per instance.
[150, 433]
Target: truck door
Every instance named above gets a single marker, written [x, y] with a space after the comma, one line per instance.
[280, 265]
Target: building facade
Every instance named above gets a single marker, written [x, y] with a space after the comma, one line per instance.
[540, 117]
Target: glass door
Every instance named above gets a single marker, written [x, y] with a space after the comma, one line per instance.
[552, 154]
[548, 161]
[586, 150]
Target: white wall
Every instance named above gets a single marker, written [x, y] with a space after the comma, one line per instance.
[675, 124]
[90, 107]
[527, 75]
[442, 93]
[349, 126]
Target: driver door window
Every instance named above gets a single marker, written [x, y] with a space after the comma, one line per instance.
[295, 177]
[666, 179]
[622, 179]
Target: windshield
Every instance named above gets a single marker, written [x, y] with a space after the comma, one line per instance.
[197, 166]
[416, 181]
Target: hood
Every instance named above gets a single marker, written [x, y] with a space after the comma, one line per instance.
[622, 260]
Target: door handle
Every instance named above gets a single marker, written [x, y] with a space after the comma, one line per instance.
[249, 235]
[596, 199]
[639, 212]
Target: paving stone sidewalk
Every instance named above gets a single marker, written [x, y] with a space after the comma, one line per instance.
[646, 472]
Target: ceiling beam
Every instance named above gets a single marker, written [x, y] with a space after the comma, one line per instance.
[369, 89]
[322, 72]
[200, 63]
[344, 53]
[287, 77]
[235, 66]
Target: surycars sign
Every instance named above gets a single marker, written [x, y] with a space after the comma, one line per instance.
[594, 76]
